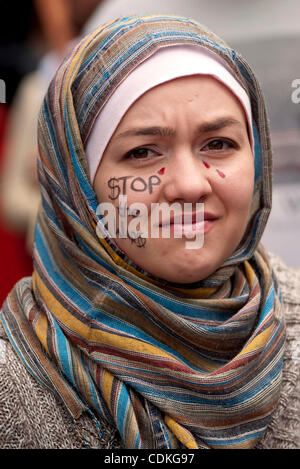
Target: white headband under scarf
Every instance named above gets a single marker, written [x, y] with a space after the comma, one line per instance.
[164, 65]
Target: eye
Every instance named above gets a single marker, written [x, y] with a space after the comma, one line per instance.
[219, 145]
[140, 153]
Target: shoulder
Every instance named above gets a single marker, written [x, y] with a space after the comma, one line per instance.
[289, 283]
[32, 417]
[284, 429]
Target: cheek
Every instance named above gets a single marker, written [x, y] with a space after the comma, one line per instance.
[238, 188]
[111, 186]
[100, 185]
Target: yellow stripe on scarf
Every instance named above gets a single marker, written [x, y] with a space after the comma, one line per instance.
[131, 425]
[107, 382]
[41, 326]
[184, 436]
[259, 341]
[93, 335]
[250, 274]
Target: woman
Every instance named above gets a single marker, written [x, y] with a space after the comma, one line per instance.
[139, 341]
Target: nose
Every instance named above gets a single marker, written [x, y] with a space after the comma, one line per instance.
[186, 178]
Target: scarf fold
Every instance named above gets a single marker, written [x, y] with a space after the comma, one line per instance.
[195, 366]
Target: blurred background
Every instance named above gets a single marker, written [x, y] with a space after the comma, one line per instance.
[34, 37]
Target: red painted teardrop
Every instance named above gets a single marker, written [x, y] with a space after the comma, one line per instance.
[222, 175]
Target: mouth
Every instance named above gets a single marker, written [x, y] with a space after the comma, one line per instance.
[190, 224]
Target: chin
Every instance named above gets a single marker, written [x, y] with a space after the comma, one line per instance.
[173, 263]
[185, 273]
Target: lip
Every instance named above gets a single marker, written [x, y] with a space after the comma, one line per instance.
[190, 224]
[190, 230]
[189, 218]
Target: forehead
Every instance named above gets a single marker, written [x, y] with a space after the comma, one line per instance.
[203, 95]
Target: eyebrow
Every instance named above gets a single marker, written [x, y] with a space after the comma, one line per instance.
[218, 124]
[160, 131]
[169, 132]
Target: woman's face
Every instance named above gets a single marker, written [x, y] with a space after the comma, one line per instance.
[182, 142]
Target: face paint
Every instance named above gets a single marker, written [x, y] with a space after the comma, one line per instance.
[134, 238]
[161, 171]
[153, 181]
[222, 175]
[137, 184]
[139, 241]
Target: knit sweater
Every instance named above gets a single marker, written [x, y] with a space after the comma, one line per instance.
[32, 417]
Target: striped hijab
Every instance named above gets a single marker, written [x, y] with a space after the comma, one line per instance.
[193, 366]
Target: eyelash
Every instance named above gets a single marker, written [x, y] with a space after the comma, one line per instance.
[130, 154]
[230, 143]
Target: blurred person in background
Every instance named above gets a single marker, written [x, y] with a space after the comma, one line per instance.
[29, 57]
[42, 26]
